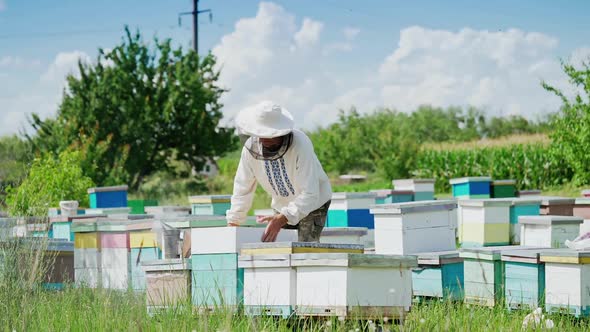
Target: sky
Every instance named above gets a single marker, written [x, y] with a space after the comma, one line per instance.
[314, 57]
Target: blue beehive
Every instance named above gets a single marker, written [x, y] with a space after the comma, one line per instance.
[216, 280]
[351, 210]
[521, 207]
[108, 197]
[439, 275]
[524, 279]
[471, 187]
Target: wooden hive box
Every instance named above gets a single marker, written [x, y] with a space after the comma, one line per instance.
[351, 210]
[582, 207]
[168, 211]
[503, 188]
[210, 205]
[521, 207]
[422, 189]
[61, 226]
[108, 197]
[484, 274]
[557, 206]
[168, 283]
[471, 187]
[548, 231]
[524, 279]
[353, 285]
[345, 235]
[409, 228]
[216, 279]
[270, 282]
[138, 205]
[59, 261]
[567, 280]
[484, 222]
[439, 275]
[114, 253]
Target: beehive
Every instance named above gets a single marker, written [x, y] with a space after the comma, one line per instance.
[59, 264]
[567, 280]
[168, 211]
[351, 210]
[557, 206]
[168, 283]
[503, 188]
[422, 189]
[144, 246]
[548, 231]
[521, 207]
[109, 211]
[409, 228]
[439, 275]
[210, 205]
[138, 205]
[387, 196]
[471, 187]
[108, 197]
[335, 284]
[270, 282]
[114, 253]
[484, 274]
[484, 222]
[524, 279]
[216, 279]
[582, 207]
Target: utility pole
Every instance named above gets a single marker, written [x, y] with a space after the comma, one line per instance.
[195, 14]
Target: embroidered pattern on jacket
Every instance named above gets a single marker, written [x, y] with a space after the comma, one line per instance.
[269, 176]
[284, 168]
[276, 172]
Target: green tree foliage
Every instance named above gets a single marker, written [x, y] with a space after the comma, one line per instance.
[571, 134]
[49, 181]
[135, 110]
[15, 154]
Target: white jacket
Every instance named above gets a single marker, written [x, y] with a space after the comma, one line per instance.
[297, 182]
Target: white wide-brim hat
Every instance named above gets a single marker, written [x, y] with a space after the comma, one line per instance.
[265, 120]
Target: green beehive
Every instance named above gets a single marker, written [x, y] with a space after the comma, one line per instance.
[138, 205]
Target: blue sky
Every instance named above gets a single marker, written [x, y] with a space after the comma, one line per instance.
[312, 56]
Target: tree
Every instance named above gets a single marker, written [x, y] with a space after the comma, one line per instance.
[571, 134]
[136, 109]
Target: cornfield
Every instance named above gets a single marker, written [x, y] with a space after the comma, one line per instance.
[533, 165]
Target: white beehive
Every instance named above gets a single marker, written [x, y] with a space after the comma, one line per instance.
[548, 231]
[567, 280]
[484, 222]
[356, 285]
[414, 227]
[222, 240]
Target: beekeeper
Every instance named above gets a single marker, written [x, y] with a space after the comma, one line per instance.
[282, 160]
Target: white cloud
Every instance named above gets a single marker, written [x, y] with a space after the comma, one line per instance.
[309, 33]
[350, 33]
[42, 96]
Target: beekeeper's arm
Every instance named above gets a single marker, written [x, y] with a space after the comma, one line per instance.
[244, 188]
[307, 179]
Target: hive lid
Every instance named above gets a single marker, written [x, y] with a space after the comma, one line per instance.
[492, 202]
[350, 195]
[163, 265]
[549, 220]
[298, 247]
[438, 257]
[220, 221]
[517, 201]
[209, 199]
[409, 182]
[524, 255]
[565, 256]
[504, 182]
[263, 261]
[343, 231]
[109, 211]
[381, 193]
[490, 253]
[354, 260]
[107, 189]
[531, 192]
[557, 200]
[471, 179]
[413, 207]
[583, 201]
[61, 218]
[141, 225]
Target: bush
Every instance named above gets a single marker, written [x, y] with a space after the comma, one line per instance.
[48, 182]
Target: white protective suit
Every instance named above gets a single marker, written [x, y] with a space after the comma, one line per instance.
[296, 181]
